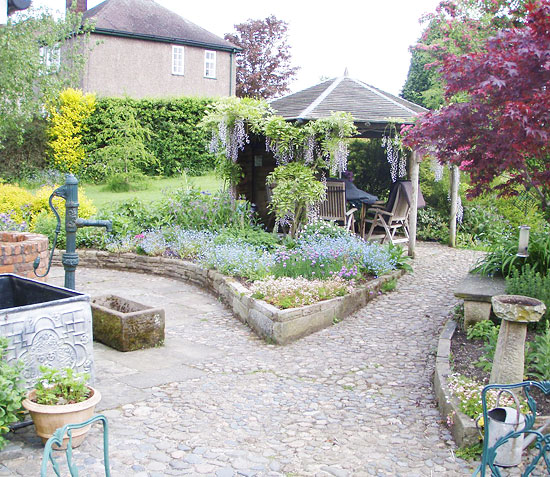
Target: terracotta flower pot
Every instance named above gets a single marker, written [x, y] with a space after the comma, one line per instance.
[48, 418]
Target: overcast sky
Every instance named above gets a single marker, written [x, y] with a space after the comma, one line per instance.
[369, 37]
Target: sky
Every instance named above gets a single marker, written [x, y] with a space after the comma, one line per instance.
[370, 38]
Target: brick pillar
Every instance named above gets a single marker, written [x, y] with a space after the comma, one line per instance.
[81, 5]
[18, 251]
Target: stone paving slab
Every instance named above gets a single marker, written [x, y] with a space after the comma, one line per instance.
[354, 399]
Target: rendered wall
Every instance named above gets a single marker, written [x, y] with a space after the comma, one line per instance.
[140, 68]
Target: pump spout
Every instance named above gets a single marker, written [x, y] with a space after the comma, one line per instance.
[95, 223]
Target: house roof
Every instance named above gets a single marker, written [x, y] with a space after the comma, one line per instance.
[147, 20]
[370, 107]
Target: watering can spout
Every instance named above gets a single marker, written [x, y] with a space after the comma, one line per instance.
[95, 223]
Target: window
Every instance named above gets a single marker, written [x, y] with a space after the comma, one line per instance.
[51, 58]
[210, 64]
[177, 60]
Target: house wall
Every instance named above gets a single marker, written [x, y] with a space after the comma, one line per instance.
[140, 68]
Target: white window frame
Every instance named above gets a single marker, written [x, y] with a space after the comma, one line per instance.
[178, 60]
[210, 64]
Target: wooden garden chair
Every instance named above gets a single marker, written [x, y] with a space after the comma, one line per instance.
[334, 207]
[390, 222]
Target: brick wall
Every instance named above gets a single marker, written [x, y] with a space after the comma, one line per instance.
[18, 250]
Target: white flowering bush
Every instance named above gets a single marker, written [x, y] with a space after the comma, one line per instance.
[468, 393]
[289, 292]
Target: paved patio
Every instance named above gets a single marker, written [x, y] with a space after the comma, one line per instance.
[355, 399]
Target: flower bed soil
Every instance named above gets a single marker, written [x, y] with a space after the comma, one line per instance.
[465, 353]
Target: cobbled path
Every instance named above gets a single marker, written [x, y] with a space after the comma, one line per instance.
[355, 399]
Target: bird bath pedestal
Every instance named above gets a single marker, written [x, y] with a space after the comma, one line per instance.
[515, 311]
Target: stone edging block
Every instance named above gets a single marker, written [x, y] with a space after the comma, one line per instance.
[463, 428]
[278, 326]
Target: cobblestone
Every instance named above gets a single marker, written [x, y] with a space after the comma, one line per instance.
[355, 399]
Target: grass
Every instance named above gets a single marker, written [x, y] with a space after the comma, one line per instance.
[159, 187]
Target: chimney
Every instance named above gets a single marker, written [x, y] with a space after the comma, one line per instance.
[81, 5]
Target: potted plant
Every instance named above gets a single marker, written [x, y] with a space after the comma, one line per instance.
[60, 398]
[11, 394]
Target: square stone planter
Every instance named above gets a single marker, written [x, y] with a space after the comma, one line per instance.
[126, 325]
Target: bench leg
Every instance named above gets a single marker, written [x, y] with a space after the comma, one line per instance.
[475, 311]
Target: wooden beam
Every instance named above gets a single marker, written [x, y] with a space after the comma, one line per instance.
[414, 168]
[455, 181]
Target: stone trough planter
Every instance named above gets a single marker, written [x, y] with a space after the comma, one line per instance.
[126, 325]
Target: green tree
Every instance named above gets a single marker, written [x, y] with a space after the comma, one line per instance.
[457, 27]
[32, 70]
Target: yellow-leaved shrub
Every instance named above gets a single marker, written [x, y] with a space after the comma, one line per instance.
[66, 119]
[24, 206]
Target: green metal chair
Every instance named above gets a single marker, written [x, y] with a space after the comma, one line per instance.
[57, 439]
[525, 431]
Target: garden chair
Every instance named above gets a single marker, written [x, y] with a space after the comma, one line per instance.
[503, 439]
[57, 440]
[392, 219]
[334, 207]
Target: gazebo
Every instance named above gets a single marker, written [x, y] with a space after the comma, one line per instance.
[372, 109]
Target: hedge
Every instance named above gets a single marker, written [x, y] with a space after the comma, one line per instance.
[176, 141]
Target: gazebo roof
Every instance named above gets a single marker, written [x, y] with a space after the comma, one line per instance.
[370, 107]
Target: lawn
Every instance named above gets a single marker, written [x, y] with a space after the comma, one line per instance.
[159, 188]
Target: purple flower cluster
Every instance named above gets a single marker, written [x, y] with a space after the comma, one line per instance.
[8, 223]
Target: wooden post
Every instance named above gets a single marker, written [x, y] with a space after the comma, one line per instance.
[455, 180]
[414, 167]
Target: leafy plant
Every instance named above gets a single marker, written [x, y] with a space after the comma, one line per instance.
[501, 258]
[11, 392]
[472, 452]
[399, 258]
[538, 356]
[482, 330]
[55, 387]
[529, 282]
[389, 286]
[295, 189]
[487, 331]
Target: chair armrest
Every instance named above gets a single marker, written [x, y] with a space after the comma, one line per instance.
[351, 211]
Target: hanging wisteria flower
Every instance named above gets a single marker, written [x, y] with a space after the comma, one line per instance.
[437, 169]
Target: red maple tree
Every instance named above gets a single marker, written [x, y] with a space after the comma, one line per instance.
[501, 127]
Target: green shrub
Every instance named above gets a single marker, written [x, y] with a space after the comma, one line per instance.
[177, 143]
[481, 225]
[66, 120]
[502, 259]
[11, 392]
[538, 356]
[432, 225]
[121, 147]
[127, 181]
[486, 331]
[529, 282]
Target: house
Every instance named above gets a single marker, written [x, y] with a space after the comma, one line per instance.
[146, 50]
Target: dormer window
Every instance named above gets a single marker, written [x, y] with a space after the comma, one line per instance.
[177, 60]
[210, 64]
